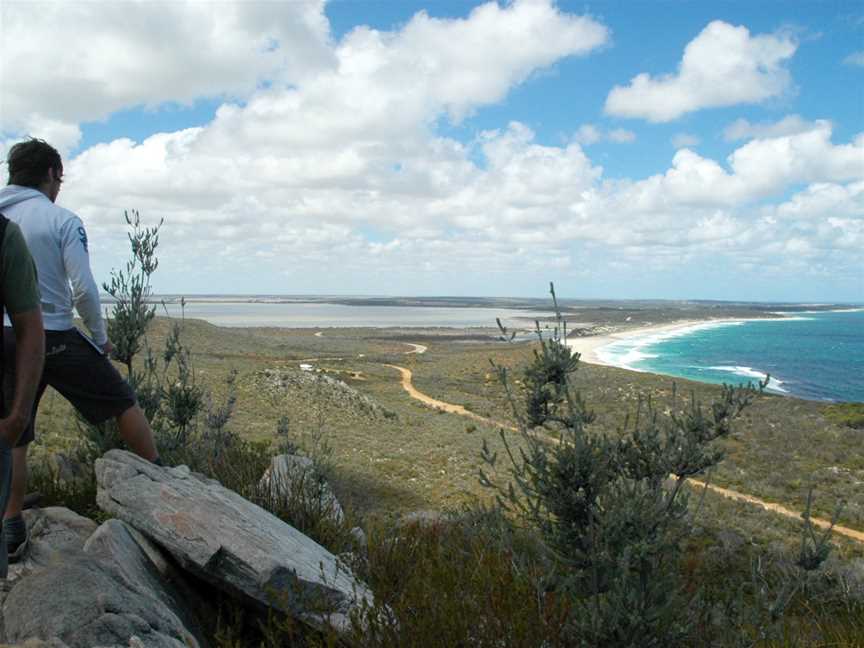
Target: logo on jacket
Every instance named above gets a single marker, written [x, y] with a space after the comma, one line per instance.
[82, 236]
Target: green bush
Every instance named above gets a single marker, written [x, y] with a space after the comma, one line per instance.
[614, 508]
[848, 414]
[466, 580]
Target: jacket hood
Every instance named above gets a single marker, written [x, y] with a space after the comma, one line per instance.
[13, 194]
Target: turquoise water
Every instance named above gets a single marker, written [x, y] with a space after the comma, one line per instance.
[815, 355]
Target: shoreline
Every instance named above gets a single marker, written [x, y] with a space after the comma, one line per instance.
[588, 345]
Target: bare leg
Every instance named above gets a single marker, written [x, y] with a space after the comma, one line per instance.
[19, 482]
[136, 432]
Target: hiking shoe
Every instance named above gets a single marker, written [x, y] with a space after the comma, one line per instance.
[16, 552]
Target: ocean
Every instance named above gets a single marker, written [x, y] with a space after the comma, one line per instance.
[813, 355]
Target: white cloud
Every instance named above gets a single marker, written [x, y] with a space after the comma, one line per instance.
[824, 199]
[790, 125]
[723, 66]
[622, 136]
[685, 140]
[453, 56]
[588, 134]
[78, 62]
[757, 170]
[855, 58]
[527, 205]
[765, 166]
[287, 187]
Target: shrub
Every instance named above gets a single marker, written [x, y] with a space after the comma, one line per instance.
[848, 414]
[130, 288]
[614, 508]
[470, 579]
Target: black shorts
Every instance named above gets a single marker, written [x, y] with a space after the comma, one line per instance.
[81, 374]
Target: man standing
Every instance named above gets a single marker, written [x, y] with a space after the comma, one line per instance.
[19, 297]
[77, 367]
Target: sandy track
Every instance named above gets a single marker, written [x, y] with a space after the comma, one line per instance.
[450, 408]
[780, 509]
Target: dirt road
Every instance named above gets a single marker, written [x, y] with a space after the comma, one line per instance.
[450, 408]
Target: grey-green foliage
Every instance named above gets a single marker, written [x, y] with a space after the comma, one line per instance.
[614, 507]
[176, 405]
[132, 311]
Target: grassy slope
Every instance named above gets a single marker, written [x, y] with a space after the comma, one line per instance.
[425, 459]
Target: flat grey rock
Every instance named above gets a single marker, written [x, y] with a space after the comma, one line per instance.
[143, 568]
[113, 588]
[226, 540]
[84, 604]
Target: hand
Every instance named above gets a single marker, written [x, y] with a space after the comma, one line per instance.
[108, 348]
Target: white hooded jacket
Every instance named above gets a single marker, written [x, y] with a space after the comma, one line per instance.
[58, 244]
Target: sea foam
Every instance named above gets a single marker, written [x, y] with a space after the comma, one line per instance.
[750, 372]
[628, 352]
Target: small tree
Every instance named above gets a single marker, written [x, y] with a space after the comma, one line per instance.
[613, 507]
[131, 290]
[165, 385]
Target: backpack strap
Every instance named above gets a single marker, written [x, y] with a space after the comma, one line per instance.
[3, 222]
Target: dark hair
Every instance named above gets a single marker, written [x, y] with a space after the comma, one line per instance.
[29, 162]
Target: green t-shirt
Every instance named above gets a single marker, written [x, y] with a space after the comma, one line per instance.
[18, 283]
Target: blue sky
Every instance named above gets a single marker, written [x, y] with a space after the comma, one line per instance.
[620, 149]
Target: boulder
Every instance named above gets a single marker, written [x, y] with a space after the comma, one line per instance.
[294, 477]
[82, 603]
[55, 533]
[110, 593]
[145, 569]
[226, 540]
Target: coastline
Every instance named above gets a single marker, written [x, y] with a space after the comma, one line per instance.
[588, 345]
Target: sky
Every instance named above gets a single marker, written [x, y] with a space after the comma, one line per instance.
[630, 149]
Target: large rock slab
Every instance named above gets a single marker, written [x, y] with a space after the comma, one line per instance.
[143, 567]
[111, 593]
[83, 604]
[226, 540]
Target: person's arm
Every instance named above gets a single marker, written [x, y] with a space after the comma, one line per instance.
[21, 295]
[85, 293]
[29, 360]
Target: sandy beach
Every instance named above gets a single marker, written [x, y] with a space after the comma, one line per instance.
[587, 346]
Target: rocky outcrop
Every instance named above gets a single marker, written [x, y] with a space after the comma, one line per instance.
[331, 392]
[83, 604]
[102, 592]
[147, 578]
[147, 571]
[226, 540]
